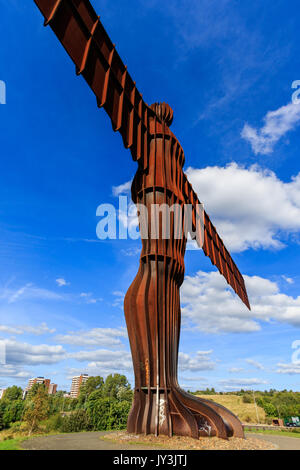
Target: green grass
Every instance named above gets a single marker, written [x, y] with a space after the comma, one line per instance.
[12, 444]
[13, 441]
[274, 433]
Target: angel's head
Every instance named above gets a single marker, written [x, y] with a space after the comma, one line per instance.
[164, 112]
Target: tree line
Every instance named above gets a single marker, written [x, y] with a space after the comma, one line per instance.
[276, 404]
[102, 405]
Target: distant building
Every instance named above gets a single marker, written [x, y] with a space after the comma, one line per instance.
[77, 381]
[2, 391]
[37, 380]
[51, 388]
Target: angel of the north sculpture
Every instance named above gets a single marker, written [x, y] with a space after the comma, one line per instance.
[152, 303]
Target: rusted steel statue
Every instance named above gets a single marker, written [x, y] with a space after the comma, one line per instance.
[152, 303]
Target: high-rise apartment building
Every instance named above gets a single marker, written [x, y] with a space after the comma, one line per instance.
[77, 381]
[2, 391]
[51, 388]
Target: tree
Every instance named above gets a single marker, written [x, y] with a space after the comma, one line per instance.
[38, 409]
[33, 391]
[13, 393]
[92, 384]
[118, 415]
[113, 384]
[96, 395]
[108, 407]
[1, 417]
[125, 394]
[270, 410]
[13, 412]
[71, 403]
[98, 411]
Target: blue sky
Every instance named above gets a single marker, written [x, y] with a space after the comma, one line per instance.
[226, 68]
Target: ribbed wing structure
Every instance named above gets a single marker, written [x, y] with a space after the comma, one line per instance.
[214, 247]
[220, 257]
[83, 36]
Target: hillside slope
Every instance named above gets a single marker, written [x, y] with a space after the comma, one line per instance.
[245, 411]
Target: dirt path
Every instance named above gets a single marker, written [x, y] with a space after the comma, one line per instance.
[92, 441]
[80, 441]
[284, 443]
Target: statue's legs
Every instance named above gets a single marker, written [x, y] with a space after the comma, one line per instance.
[153, 319]
[152, 311]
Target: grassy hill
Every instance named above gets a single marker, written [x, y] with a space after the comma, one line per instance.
[245, 411]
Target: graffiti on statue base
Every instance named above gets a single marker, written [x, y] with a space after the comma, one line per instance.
[204, 426]
[162, 411]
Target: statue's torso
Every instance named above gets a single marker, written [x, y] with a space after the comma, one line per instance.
[160, 180]
[162, 168]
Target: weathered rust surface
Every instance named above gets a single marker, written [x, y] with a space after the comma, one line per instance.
[152, 303]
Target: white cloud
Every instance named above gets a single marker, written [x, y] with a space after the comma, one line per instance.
[28, 292]
[118, 293]
[21, 330]
[255, 364]
[123, 189]
[109, 360]
[210, 305]
[24, 353]
[89, 298]
[134, 251]
[11, 330]
[290, 369]
[200, 361]
[251, 208]
[289, 280]
[62, 282]
[276, 125]
[235, 370]
[105, 360]
[95, 337]
[119, 299]
[195, 379]
[233, 383]
[9, 371]
[38, 330]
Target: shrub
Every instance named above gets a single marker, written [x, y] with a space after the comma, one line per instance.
[15, 427]
[106, 413]
[247, 398]
[98, 410]
[118, 415]
[76, 422]
[270, 409]
[1, 421]
[248, 419]
[54, 423]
